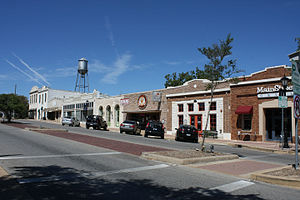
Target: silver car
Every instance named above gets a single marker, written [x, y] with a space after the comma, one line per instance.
[71, 121]
[129, 126]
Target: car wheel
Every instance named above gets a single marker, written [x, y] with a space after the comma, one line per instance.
[63, 124]
[162, 136]
[146, 135]
[105, 127]
[87, 127]
[176, 138]
[121, 132]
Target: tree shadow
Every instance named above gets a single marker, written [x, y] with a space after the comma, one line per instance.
[74, 185]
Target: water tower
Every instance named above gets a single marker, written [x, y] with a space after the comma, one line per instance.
[82, 80]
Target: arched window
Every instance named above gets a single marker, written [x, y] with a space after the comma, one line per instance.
[101, 111]
[117, 115]
[108, 115]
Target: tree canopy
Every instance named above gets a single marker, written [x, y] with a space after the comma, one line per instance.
[218, 68]
[11, 103]
[298, 41]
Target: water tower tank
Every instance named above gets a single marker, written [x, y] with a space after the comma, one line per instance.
[82, 66]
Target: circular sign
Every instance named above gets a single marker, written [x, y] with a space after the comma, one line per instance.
[297, 106]
[142, 102]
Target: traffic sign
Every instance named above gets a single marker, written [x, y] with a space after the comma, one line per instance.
[297, 106]
[296, 77]
[282, 102]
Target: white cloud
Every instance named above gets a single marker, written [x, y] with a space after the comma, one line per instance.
[120, 66]
[172, 62]
[64, 72]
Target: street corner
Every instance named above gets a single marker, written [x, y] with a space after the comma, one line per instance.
[240, 168]
[187, 157]
[283, 176]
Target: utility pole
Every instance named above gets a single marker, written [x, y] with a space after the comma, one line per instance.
[15, 89]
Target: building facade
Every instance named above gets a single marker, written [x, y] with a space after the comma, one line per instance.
[255, 112]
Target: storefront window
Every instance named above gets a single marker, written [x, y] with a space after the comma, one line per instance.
[180, 107]
[244, 121]
[213, 106]
[213, 122]
[201, 106]
[191, 107]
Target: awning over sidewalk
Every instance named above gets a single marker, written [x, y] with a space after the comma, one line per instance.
[244, 110]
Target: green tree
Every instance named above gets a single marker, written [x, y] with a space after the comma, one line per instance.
[174, 80]
[298, 41]
[218, 69]
[13, 104]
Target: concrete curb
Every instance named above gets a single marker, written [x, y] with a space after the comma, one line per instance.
[186, 161]
[278, 180]
[46, 129]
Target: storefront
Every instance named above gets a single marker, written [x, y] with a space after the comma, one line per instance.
[255, 111]
[144, 106]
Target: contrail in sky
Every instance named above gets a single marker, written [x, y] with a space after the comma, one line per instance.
[111, 36]
[23, 72]
[35, 72]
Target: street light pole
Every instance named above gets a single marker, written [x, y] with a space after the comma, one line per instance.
[284, 81]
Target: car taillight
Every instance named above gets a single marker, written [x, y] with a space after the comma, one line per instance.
[181, 130]
[122, 124]
[147, 125]
[162, 127]
[132, 126]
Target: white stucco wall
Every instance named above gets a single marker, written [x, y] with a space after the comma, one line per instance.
[186, 114]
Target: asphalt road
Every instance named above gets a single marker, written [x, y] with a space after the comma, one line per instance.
[48, 167]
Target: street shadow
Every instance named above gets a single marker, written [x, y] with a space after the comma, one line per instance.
[8, 155]
[73, 185]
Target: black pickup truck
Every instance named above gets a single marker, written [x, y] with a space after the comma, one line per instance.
[96, 121]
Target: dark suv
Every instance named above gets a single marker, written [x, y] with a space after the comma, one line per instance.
[187, 132]
[95, 121]
[155, 128]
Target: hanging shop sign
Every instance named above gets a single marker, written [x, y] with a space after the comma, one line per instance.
[142, 102]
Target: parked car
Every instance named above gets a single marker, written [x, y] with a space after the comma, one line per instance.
[187, 132]
[129, 126]
[71, 121]
[155, 128]
[96, 121]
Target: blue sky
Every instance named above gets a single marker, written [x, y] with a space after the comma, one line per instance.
[131, 45]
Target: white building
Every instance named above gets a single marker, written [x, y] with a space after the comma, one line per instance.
[46, 103]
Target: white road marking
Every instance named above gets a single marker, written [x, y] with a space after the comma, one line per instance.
[57, 156]
[89, 175]
[233, 186]
[130, 170]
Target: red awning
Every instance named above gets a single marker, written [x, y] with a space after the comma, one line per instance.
[244, 110]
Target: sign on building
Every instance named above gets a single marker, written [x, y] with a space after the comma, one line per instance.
[124, 101]
[156, 96]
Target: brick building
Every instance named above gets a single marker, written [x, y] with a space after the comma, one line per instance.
[255, 114]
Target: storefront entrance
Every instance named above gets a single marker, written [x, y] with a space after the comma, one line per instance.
[274, 121]
[143, 118]
[196, 120]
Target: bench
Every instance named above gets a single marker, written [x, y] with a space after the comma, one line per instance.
[209, 133]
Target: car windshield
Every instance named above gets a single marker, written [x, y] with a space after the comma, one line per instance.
[67, 117]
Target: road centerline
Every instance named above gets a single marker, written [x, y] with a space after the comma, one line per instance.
[58, 156]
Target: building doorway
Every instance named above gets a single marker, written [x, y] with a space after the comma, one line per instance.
[196, 120]
[274, 121]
